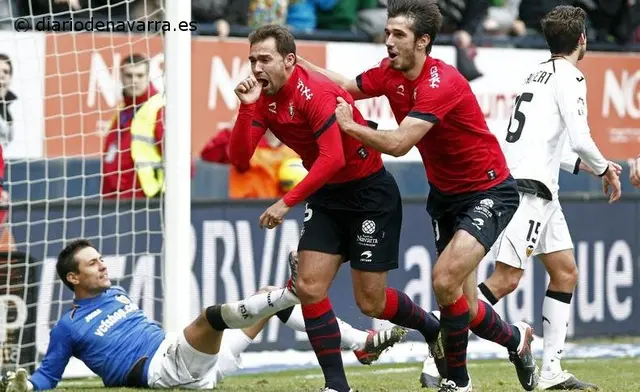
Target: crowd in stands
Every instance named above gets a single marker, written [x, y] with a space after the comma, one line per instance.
[613, 21]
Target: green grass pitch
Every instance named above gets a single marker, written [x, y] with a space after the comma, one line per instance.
[618, 375]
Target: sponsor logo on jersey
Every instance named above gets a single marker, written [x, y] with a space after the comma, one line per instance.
[304, 90]
[434, 79]
[581, 106]
[108, 322]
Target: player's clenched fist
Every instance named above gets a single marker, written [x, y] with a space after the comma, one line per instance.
[248, 91]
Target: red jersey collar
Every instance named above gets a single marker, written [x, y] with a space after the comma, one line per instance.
[290, 85]
[428, 62]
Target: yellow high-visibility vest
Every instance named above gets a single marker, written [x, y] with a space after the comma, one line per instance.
[144, 150]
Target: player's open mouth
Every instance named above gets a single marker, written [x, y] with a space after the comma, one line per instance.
[264, 82]
[392, 55]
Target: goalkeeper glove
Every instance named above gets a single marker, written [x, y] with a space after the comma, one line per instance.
[16, 382]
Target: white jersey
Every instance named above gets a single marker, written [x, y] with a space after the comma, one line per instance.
[548, 129]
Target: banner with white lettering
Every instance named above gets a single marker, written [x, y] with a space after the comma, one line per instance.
[231, 258]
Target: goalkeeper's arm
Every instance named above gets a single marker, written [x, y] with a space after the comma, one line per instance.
[50, 372]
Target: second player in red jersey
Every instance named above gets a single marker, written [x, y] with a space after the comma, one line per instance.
[353, 208]
[460, 153]
[472, 194]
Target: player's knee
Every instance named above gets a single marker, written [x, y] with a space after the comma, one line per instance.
[310, 290]
[371, 303]
[443, 281]
[565, 277]
[504, 280]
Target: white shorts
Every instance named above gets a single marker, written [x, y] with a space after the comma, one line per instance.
[178, 365]
[537, 227]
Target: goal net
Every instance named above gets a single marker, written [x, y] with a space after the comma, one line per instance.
[59, 95]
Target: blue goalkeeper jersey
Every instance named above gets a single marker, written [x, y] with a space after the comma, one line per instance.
[109, 333]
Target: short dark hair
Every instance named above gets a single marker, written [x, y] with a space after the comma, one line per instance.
[562, 28]
[7, 59]
[285, 43]
[135, 59]
[426, 16]
[67, 259]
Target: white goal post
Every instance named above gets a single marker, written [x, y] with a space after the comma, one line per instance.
[68, 89]
[177, 222]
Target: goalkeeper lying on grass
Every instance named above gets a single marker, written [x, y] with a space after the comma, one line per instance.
[115, 339]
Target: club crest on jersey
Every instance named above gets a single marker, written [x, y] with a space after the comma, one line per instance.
[292, 110]
[272, 107]
[304, 90]
[123, 299]
[486, 202]
[400, 90]
[529, 250]
[368, 227]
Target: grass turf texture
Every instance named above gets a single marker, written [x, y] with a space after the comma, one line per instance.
[488, 376]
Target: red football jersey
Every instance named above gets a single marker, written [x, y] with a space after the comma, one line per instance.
[460, 154]
[302, 116]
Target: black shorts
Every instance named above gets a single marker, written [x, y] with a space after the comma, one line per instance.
[483, 214]
[360, 220]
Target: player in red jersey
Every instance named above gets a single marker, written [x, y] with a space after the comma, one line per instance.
[353, 211]
[472, 194]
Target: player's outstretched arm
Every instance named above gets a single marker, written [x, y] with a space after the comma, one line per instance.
[396, 143]
[50, 371]
[349, 85]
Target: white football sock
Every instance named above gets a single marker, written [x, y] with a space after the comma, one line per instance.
[351, 338]
[245, 313]
[555, 317]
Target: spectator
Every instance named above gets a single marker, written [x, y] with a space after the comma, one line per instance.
[463, 19]
[531, 12]
[613, 20]
[503, 18]
[343, 15]
[261, 180]
[302, 15]
[7, 97]
[265, 12]
[132, 162]
[223, 12]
